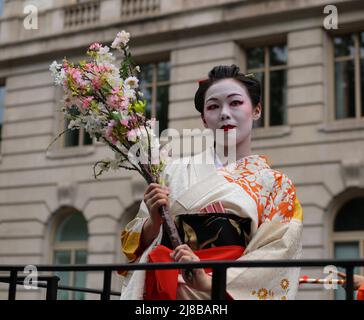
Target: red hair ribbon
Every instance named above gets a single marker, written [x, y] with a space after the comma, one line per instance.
[202, 80]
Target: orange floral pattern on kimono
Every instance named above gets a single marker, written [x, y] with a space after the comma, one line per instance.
[272, 191]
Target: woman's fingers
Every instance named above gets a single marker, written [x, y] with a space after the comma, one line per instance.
[150, 194]
[156, 197]
[153, 186]
[156, 205]
[342, 275]
[185, 252]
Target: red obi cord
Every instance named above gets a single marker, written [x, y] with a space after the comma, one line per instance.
[162, 284]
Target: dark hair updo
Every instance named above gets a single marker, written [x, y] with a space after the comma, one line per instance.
[227, 72]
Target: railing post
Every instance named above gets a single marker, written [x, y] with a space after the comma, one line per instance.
[52, 288]
[12, 284]
[107, 285]
[349, 288]
[218, 291]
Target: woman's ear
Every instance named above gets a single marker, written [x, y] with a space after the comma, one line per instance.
[257, 112]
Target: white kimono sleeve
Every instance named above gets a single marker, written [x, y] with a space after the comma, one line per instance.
[278, 237]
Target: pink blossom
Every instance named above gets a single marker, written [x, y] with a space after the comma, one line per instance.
[96, 83]
[95, 46]
[89, 66]
[117, 102]
[71, 101]
[124, 122]
[115, 90]
[109, 132]
[86, 102]
[132, 135]
[75, 74]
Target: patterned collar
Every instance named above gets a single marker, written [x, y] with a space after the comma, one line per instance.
[249, 164]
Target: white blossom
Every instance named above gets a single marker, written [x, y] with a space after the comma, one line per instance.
[58, 72]
[132, 82]
[128, 92]
[54, 67]
[74, 124]
[122, 38]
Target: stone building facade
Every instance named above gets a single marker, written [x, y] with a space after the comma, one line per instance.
[51, 207]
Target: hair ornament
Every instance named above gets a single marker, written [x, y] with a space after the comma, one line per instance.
[202, 80]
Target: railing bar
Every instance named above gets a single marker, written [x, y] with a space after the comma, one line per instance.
[12, 284]
[205, 264]
[66, 288]
[349, 287]
[52, 288]
[218, 291]
[105, 295]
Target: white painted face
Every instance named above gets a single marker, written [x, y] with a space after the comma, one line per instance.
[227, 102]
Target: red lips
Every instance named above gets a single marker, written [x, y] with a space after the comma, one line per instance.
[228, 127]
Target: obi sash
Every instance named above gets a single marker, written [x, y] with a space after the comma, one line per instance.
[208, 230]
[212, 236]
[162, 284]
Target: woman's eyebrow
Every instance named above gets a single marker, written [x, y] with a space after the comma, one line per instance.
[233, 94]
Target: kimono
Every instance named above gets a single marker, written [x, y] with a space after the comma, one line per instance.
[247, 188]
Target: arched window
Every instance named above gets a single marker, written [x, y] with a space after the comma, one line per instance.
[70, 247]
[348, 235]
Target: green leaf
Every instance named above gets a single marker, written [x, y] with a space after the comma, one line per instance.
[116, 115]
[139, 106]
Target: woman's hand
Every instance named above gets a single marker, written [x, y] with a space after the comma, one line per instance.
[200, 280]
[358, 280]
[156, 196]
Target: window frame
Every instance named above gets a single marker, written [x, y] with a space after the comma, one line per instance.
[58, 151]
[331, 116]
[344, 236]
[71, 246]
[155, 84]
[80, 136]
[267, 69]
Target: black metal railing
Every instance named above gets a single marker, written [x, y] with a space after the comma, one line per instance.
[218, 277]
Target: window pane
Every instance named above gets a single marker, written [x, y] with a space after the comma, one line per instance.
[346, 250]
[344, 46]
[255, 58]
[2, 107]
[87, 140]
[277, 98]
[1, 7]
[278, 55]
[162, 107]
[72, 228]
[146, 73]
[163, 71]
[80, 277]
[260, 122]
[350, 217]
[344, 90]
[71, 137]
[63, 257]
[147, 92]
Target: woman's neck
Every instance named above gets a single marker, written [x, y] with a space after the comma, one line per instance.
[226, 154]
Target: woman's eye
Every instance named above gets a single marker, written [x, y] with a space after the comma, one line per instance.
[212, 106]
[236, 103]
